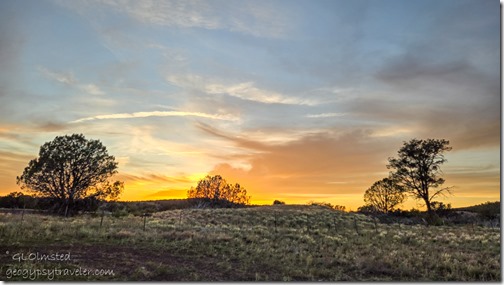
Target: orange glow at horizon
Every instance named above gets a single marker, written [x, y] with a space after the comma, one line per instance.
[174, 99]
[286, 173]
[152, 189]
[260, 195]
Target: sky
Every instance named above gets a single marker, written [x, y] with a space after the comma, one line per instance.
[296, 100]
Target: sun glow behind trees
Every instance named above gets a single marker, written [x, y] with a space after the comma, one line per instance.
[285, 97]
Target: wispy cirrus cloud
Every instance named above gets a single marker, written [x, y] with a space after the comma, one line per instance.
[61, 77]
[170, 13]
[67, 78]
[270, 137]
[244, 90]
[248, 91]
[324, 115]
[258, 18]
[224, 117]
[92, 89]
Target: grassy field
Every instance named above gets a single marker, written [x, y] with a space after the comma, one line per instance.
[269, 243]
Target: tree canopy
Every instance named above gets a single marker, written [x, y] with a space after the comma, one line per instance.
[70, 168]
[216, 189]
[384, 195]
[418, 168]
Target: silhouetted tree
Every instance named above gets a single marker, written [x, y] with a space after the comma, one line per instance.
[418, 170]
[278, 202]
[14, 200]
[18, 200]
[328, 205]
[71, 168]
[340, 208]
[384, 195]
[367, 209]
[440, 207]
[217, 189]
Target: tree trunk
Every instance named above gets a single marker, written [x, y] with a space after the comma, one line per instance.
[429, 208]
[432, 218]
[66, 209]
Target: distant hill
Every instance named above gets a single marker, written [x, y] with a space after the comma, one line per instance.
[19, 200]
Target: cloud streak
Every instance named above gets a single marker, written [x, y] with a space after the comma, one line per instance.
[67, 78]
[309, 164]
[324, 115]
[92, 89]
[64, 78]
[224, 117]
[258, 18]
[287, 97]
[247, 91]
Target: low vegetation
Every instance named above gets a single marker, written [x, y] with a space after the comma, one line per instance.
[267, 243]
[490, 210]
[216, 235]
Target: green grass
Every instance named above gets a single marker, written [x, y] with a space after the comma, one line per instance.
[309, 243]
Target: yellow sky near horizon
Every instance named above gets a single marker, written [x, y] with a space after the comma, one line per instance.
[295, 100]
[149, 189]
[286, 172]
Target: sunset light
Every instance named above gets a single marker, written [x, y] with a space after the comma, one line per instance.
[294, 100]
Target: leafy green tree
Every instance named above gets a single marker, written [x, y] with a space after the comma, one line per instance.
[384, 195]
[418, 168]
[71, 168]
[217, 189]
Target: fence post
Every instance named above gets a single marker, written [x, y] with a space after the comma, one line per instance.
[101, 220]
[22, 214]
[275, 213]
[375, 225]
[180, 218]
[145, 215]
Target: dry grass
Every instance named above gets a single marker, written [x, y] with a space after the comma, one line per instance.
[308, 243]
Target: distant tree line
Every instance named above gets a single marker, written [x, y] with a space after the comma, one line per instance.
[18, 200]
[327, 205]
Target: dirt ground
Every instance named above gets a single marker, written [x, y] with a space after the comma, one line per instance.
[127, 263]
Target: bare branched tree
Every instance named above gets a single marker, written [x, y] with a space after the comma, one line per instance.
[385, 195]
[418, 168]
